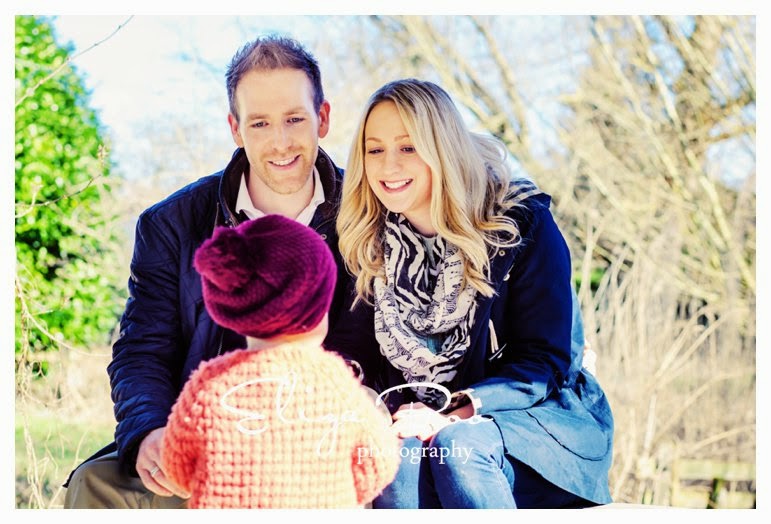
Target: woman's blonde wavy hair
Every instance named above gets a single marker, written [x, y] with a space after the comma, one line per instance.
[471, 187]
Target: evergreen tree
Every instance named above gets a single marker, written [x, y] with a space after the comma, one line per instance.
[66, 285]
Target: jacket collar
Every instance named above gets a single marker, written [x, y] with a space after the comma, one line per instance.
[502, 259]
[331, 180]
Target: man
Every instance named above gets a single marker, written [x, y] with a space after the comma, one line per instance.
[277, 116]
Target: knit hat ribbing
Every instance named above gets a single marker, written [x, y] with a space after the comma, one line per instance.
[267, 277]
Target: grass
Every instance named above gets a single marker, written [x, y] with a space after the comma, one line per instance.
[60, 420]
[47, 449]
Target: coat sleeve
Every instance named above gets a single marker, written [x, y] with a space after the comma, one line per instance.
[142, 376]
[535, 335]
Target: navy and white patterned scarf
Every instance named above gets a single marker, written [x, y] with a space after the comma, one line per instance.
[422, 316]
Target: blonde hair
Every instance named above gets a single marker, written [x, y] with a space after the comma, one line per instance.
[471, 188]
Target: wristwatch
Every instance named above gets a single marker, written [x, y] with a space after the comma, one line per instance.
[462, 398]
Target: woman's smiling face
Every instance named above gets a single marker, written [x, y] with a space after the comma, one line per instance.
[400, 179]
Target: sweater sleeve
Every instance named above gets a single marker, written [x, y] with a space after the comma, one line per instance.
[376, 452]
[182, 443]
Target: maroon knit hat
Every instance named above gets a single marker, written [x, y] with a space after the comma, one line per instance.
[270, 276]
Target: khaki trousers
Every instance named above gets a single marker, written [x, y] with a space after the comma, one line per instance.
[99, 484]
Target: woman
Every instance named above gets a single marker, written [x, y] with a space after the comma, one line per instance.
[467, 280]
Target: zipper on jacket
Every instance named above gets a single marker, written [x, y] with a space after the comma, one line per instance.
[228, 218]
[222, 341]
[495, 351]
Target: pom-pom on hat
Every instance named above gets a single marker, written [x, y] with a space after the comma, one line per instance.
[267, 277]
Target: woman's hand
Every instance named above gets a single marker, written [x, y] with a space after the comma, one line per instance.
[418, 420]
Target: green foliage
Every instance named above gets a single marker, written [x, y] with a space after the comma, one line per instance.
[64, 211]
[595, 276]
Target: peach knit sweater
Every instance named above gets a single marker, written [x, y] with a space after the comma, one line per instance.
[281, 427]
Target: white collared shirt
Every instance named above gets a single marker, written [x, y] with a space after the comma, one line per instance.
[244, 201]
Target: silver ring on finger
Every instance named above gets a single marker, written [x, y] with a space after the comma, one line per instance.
[154, 471]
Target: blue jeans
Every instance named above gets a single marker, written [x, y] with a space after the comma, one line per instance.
[464, 466]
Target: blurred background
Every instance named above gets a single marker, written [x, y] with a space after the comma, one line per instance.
[642, 128]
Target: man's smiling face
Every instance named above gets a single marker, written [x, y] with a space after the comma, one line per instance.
[278, 127]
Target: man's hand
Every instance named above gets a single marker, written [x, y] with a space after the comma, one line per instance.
[149, 467]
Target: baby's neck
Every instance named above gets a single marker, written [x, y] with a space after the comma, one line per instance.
[302, 339]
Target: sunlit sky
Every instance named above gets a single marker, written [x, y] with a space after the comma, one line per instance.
[138, 72]
[145, 67]
[135, 70]
[135, 73]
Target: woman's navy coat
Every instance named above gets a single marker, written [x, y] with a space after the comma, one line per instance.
[552, 413]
